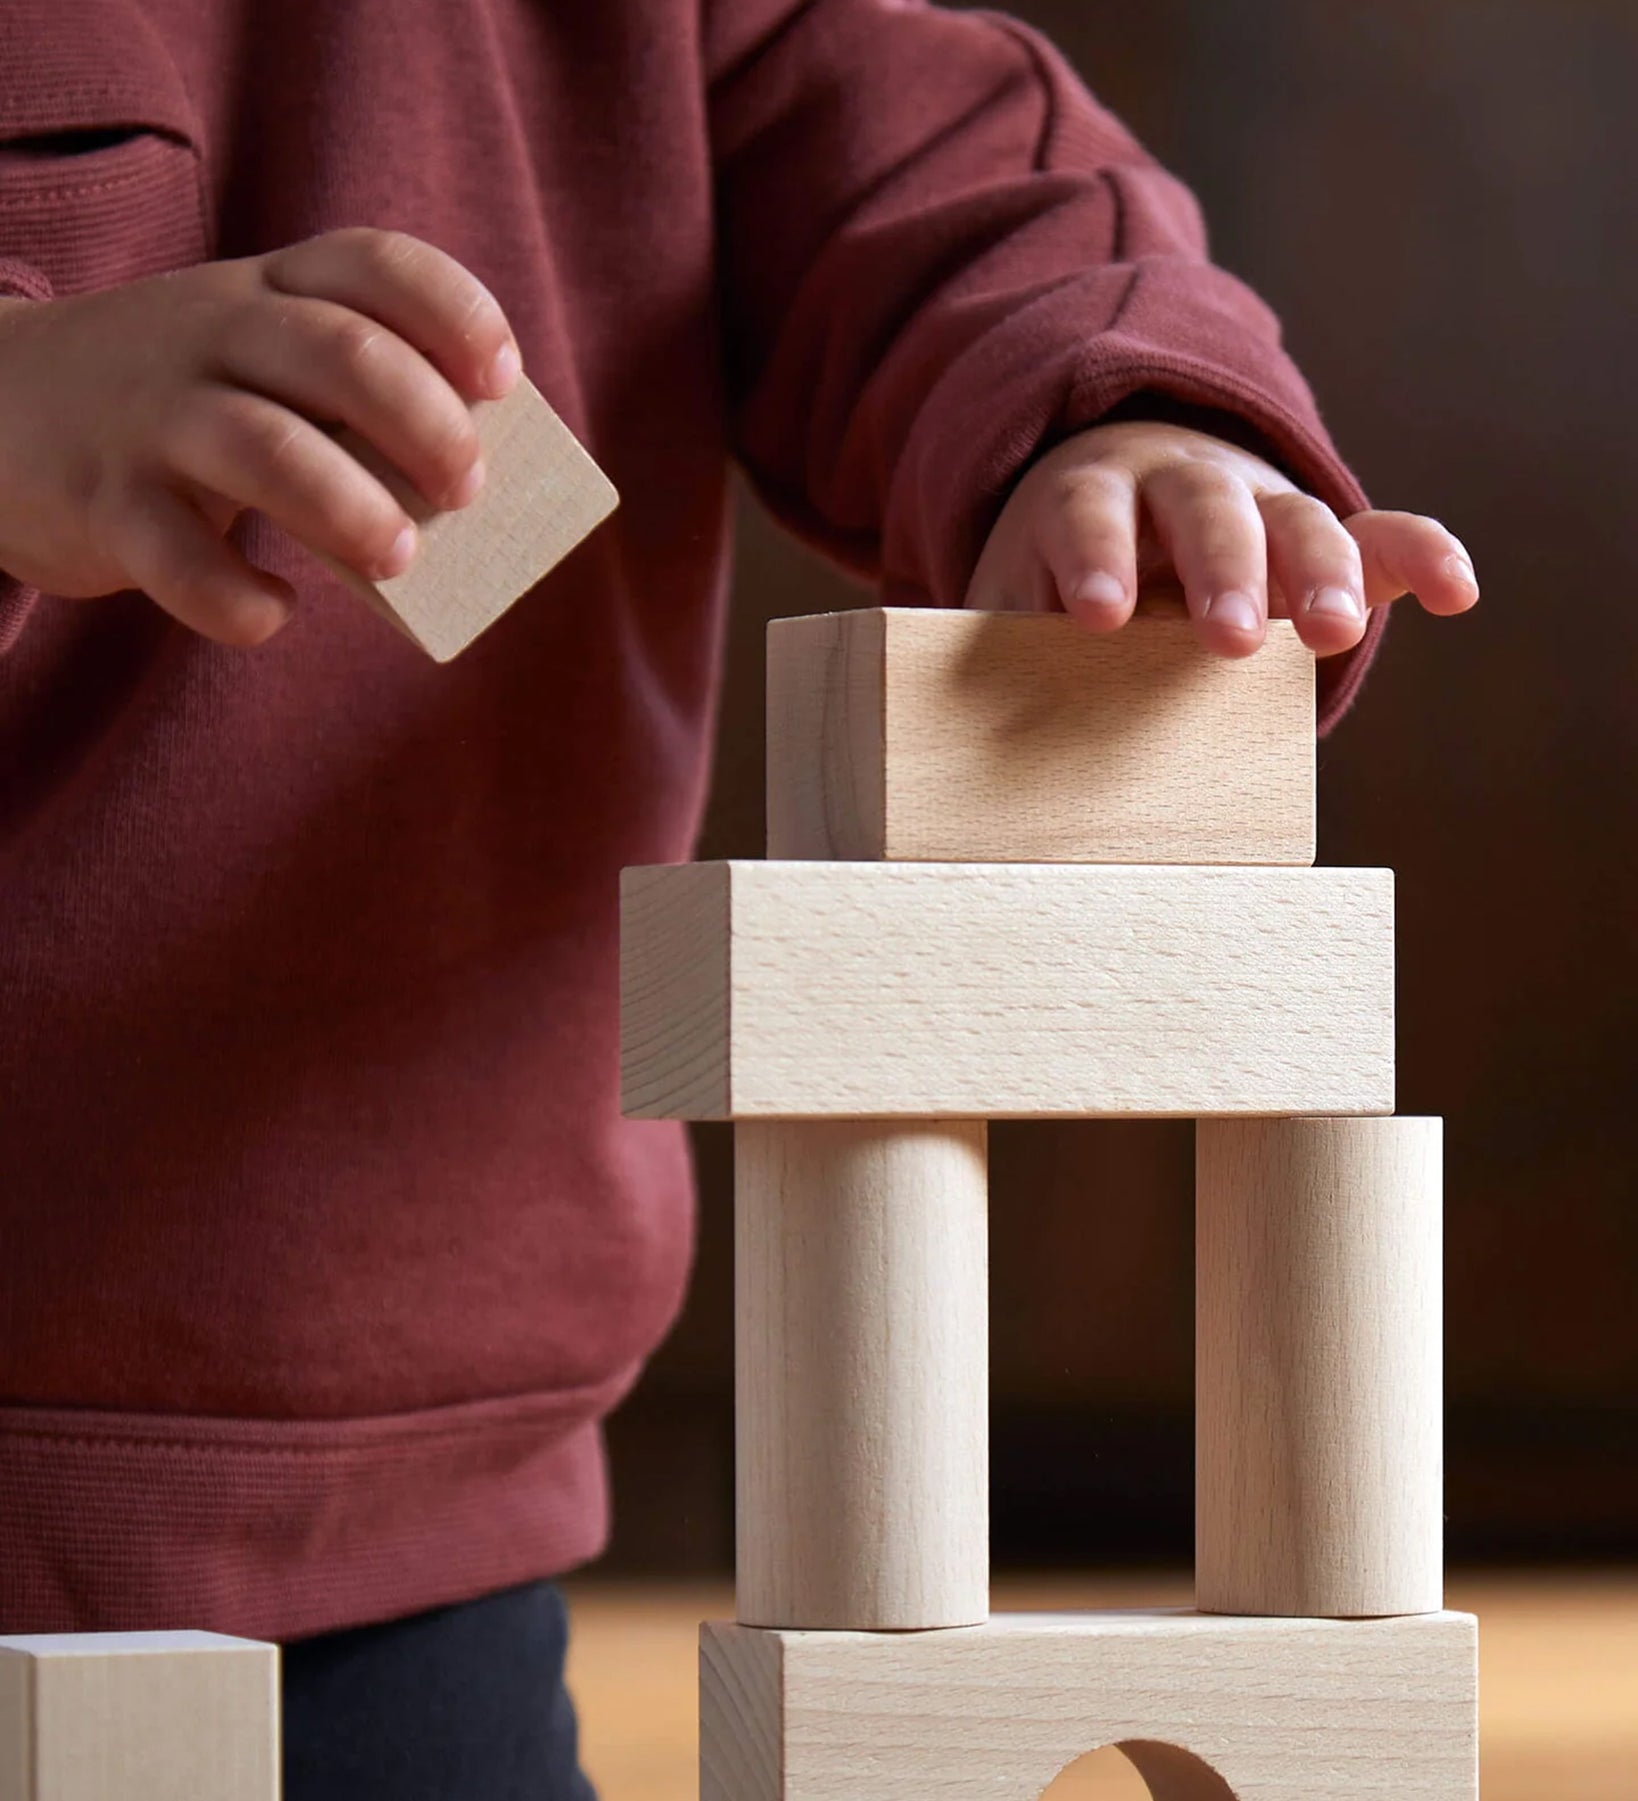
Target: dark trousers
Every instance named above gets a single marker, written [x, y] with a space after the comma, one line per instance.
[462, 1704]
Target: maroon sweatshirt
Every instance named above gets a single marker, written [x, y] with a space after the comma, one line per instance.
[323, 1248]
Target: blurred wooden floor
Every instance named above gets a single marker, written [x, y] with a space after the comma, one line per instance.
[1558, 1682]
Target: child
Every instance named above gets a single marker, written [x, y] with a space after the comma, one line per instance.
[324, 1246]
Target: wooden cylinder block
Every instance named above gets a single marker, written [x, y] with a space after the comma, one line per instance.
[861, 1349]
[1318, 1367]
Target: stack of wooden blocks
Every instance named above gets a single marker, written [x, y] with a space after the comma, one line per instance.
[1016, 871]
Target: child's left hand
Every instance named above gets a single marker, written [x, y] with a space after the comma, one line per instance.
[1134, 503]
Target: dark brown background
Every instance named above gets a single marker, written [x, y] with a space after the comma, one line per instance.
[1438, 196]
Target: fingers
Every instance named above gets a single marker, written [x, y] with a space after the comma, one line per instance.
[258, 454]
[330, 363]
[1110, 516]
[175, 557]
[413, 289]
[1405, 553]
[1088, 541]
[1315, 565]
[1207, 520]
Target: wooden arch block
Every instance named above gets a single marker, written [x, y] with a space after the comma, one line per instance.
[992, 991]
[138, 1716]
[1209, 1709]
[542, 496]
[928, 735]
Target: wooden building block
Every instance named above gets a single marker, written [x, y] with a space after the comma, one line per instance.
[1209, 1709]
[543, 495]
[139, 1716]
[933, 735]
[1004, 990]
[1318, 1397]
[862, 1384]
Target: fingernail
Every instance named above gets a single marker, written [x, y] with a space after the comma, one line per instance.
[504, 370]
[1099, 590]
[398, 559]
[1338, 603]
[1459, 569]
[1235, 610]
[467, 487]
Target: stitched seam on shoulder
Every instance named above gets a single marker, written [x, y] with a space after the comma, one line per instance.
[1022, 41]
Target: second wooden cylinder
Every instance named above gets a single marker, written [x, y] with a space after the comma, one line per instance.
[1318, 1367]
[861, 1352]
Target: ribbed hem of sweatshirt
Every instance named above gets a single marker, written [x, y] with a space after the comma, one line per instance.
[279, 1530]
[18, 281]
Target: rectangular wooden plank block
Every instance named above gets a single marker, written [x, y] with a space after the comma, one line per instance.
[1208, 1708]
[543, 495]
[891, 990]
[929, 735]
[138, 1716]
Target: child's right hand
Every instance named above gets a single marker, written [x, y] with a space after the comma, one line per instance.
[138, 422]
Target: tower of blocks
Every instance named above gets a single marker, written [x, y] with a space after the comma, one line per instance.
[1017, 871]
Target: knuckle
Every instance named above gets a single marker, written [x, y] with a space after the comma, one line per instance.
[222, 417]
[361, 527]
[479, 319]
[1202, 487]
[1091, 487]
[1299, 509]
[244, 432]
[263, 434]
[391, 254]
[356, 345]
[215, 609]
[457, 447]
[190, 588]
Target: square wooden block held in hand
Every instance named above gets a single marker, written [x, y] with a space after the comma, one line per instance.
[543, 495]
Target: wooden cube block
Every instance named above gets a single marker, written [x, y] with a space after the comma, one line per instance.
[1209, 1709]
[943, 990]
[927, 736]
[542, 496]
[139, 1716]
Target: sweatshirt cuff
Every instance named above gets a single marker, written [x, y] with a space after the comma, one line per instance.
[1059, 379]
[18, 281]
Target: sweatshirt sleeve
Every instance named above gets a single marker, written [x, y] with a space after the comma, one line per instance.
[939, 256]
[17, 282]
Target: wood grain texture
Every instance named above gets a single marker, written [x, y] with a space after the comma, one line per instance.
[929, 735]
[1558, 1649]
[1210, 1709]
[862, 1360]
[542, 496]
[131, 1716]
[827, 736]
[1319, 1404]
[1004, 990]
